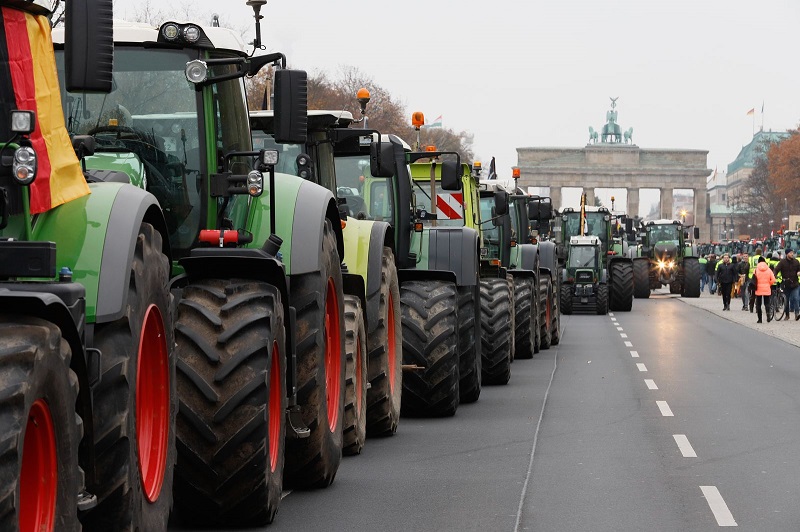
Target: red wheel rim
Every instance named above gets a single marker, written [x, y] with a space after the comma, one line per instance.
[392, 345]
[275, 410]
[39, 475]
[152, 403]
[333, 358]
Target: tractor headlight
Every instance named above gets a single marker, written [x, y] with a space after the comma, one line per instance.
[255, 183]
[23, 122]
[196, 71]
[269, 157]
[24, 166]
[191, 33]
[170, 31]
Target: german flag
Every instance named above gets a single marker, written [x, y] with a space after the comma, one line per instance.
[28, 71]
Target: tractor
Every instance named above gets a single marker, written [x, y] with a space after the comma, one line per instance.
[585, 278]
[86, 314]
[374, 383]
[666, 258]
[256, 271]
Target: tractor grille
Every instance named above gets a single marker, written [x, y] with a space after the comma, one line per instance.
[583, 277]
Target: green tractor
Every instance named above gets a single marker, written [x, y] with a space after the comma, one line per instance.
[599, 222]
[374, 382]
[585, 278]
[86, 316]
[666, 257]
[256, 274]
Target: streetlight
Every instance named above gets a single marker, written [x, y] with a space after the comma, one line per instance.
[683, 216]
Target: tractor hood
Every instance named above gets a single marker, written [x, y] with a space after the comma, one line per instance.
[665, 251]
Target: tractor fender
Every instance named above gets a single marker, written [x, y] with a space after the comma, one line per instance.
[523, 273]
[529, 257]
[353, 285]
[95, 237]
[314, 204]
[425, 275]
[547, 256]
[363, 254]
[455, 249]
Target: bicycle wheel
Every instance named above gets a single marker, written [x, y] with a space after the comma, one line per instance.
[779, 304]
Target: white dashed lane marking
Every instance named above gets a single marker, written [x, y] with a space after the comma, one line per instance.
[610, 313]
[641, 367]
[651, 384]
[665, 410]
[635, 354]
[683, 444]
[718, 507]
[628, 344]
[623, 335]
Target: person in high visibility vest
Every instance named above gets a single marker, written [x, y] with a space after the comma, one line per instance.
[753, 262]
[789, 267]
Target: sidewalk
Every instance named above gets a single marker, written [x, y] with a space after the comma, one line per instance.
[788, 332]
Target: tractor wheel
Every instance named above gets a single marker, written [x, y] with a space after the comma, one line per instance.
[231, 382]
[641, 278]
[430, 342]
[496, 331]
[385, 356]
[355, 399]
[566, 299]
[536, 315]
[546, 296]
[313, 462]
[602, 299]
[136, 401]
[621, 288]
[469, 345]
[524, 320]
[691, 277]
[510, 293]
[555, 334]
[675, 287]
[40, 476]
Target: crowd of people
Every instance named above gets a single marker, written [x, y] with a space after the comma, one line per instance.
[754, 278]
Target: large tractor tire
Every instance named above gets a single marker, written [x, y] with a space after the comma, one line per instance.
[232, 387]
[565, 298]
[691, 277]
[510, 293]
[524, 321]
[354, 431]
[469, 344]
[39, 474]
[546, 296]
[496, 331]
[385, 356]
[312, 462]
[537, 316]
[602, 299]
[675, 287]
[136, 400]
[621, 288]
[555, 334]
[430, 342]
[641, 278]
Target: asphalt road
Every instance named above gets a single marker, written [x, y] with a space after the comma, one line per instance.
[665, 418]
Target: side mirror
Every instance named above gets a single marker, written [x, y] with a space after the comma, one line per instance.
[451, 175]
[89, 45]
[381, 159]
[545, 209]
[291, 106]
[697, 233]
[84, 145]
[500, 203]
[533, 211]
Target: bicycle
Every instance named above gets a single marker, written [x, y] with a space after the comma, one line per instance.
[777, 304]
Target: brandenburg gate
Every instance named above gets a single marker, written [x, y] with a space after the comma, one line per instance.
[612, 160]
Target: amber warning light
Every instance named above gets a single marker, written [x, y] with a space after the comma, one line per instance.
[515, 173]
[417, 119]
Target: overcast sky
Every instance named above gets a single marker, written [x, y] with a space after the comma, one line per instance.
[539, 73]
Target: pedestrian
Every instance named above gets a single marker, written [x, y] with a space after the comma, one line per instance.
[703, 273]
[764, 279]
[726, 276]
[743, 270]
[789, 267]
[711, 270]
[753, 262]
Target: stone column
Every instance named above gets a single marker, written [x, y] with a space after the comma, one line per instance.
[700, 215]
[666, 204]
[590, 196]
[555, 197]
[633, 203]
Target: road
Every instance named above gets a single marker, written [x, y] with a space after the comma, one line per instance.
[669, 418]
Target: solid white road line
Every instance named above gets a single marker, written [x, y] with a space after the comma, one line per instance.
[623, 335]
[651, 384]
[641, 367]
[635, 354]
[664, 407]
[718, 507]
[628, 344]
[683, 444]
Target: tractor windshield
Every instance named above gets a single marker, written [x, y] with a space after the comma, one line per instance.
[365, 196]
[492, 237]
[156, 115]
[449, 205]
[596, 225]
[664, 233]
[582, 257]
